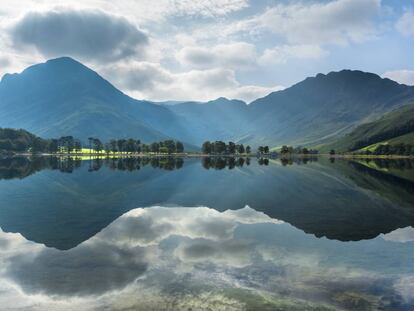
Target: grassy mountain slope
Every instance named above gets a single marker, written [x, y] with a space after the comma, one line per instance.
[322, 108]
[393, 127]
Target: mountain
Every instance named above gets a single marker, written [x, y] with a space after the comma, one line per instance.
[393, 127]
[324, 107]
[220, 119]
[64, 97]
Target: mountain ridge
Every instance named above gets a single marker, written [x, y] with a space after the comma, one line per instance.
[64, 97]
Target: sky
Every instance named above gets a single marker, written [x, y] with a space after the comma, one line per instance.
[203, 49]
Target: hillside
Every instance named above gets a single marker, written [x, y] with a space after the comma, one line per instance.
[64, 97]
[321, 108]
[220, 119]
[394, 127]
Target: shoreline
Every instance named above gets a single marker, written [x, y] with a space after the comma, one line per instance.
[203, 155]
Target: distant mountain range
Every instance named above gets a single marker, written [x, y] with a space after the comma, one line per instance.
[64, 97]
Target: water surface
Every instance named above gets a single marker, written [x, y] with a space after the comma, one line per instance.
[206, 234]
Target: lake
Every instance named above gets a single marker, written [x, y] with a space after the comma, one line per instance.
[206, 234]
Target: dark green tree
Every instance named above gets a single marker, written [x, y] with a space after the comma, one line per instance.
[206, 148]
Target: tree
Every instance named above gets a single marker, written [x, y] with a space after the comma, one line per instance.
[305, 151]
[53, 146]
[179, 147]
[266, 149]
[206, 148]
[240, 149]
[107, 148]
[145, 148]
[121, 145]
[114, 145]
[170, 145]
[332, 152]
[90, 139]
[77, 145]
[260, 149]
[284, 149]
[155, 147]
[248, 149]
[163, 150]
[231, 148]
[98, 146]
[219, 147]
[130, 145]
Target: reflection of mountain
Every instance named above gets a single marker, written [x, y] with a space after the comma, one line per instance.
[62, 210]
[196, 255]
[386, 183]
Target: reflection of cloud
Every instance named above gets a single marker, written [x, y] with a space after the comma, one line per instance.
[405, 286]
[149, 226]
[232, 253]
[400, 235]
[90, 269]
[122, 252]
[155, 258]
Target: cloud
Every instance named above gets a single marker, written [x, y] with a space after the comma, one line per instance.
[152, 81]
[282, 54]
[401, 76]
[4, 61]
[251, 92]
[333, 22]
[400, 235]
[405, 24]
[231, 55]
[86, 34]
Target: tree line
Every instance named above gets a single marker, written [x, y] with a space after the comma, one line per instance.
[12, 140]
[289, 150]
[220, 147]
[135, 146]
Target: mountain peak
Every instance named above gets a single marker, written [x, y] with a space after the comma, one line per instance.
[64, 60]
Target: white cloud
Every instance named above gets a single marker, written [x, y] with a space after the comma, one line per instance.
[93, 35]
[282, 54]
[401, 76]
[230, 55]
[333, 22]
[405, 24]
[151, 81]
[251, 92]
[138, 9]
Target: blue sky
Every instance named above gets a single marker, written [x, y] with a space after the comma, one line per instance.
[203, 49]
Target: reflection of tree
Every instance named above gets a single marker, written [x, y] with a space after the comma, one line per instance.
[135, 163]
[21, 167]
[220, 163]
[298, 160]
[263, 161]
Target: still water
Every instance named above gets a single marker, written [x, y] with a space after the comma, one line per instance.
[206, 234]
